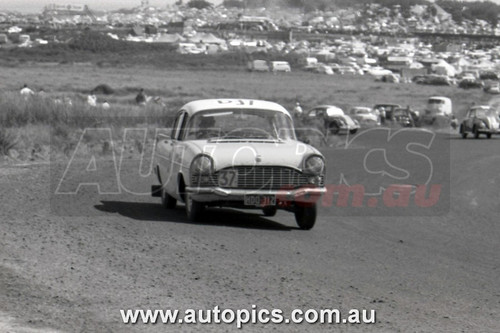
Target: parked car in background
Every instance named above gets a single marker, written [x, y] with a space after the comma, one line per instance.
[280, 66]
[365, 116]
[346, 70]
[238, 153]
[258, 66]
[388, 108]
[433, 79]
[309, 63]
[488, 75]
[404, 117]
[332, 119]
[480, 119]
[469, 83]
[492, 87]
[323, 69]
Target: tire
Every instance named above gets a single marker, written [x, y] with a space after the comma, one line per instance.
[488, 135]
[463, 132]
[269, 210]
[475, 132]
[305, 216]
[167, 200]
[353, 131]
[194, 209]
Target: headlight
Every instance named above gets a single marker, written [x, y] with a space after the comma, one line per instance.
[314, 165]
[202, 164]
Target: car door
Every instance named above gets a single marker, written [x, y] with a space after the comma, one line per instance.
[166, 150]
[469, 120]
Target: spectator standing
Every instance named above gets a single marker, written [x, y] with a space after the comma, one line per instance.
[140, 99]
[382, 116]
[92, 99]
[26, 91]
[454, 122]
[297, 111]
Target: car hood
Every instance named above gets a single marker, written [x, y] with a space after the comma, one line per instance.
[348, 120]
[491, 121]
[364, 116]
[227, 153]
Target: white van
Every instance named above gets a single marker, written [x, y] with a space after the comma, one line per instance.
[437, 107]
[258, 66]
[280, 66]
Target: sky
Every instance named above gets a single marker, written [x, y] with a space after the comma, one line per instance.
[36, 6]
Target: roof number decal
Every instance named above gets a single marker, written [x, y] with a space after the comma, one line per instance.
[237, 102]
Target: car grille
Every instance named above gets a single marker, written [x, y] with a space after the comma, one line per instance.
[259, 177]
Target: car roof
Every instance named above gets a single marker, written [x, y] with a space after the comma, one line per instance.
[336, 110]
[361, 108]
[326, 106]
[442, 98]
[387, 104]
[482, 107]
[232, 103]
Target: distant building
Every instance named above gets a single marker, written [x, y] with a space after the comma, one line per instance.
[64, 11]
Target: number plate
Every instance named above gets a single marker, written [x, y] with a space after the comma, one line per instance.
[228, 178]
[260, 200]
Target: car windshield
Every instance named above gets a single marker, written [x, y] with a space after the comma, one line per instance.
[485, 113]
[399, 113]
[363, 111]
[436, 101]
[239, 124]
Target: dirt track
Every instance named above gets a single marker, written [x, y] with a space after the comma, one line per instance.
[437, 273]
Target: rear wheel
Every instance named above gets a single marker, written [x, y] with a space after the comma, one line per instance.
[353, 131]
[488, 135]
[167, 200]
[269, 210]
[194, 209]
[305, 216]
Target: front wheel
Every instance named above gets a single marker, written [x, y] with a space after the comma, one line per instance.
[353, 131]
[167, 200]
[194, 209]
[305, 216]
[269, 210]
[488, 135]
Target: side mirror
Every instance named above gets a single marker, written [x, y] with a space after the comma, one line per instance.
[163, 137]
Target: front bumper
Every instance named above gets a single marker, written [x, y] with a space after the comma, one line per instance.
[211, 194]
[488, 131]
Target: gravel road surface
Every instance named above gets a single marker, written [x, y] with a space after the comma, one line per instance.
[70, 265]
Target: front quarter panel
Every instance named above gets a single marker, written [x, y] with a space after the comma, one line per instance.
[174, 160]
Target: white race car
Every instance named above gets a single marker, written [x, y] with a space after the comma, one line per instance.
[238, 153]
